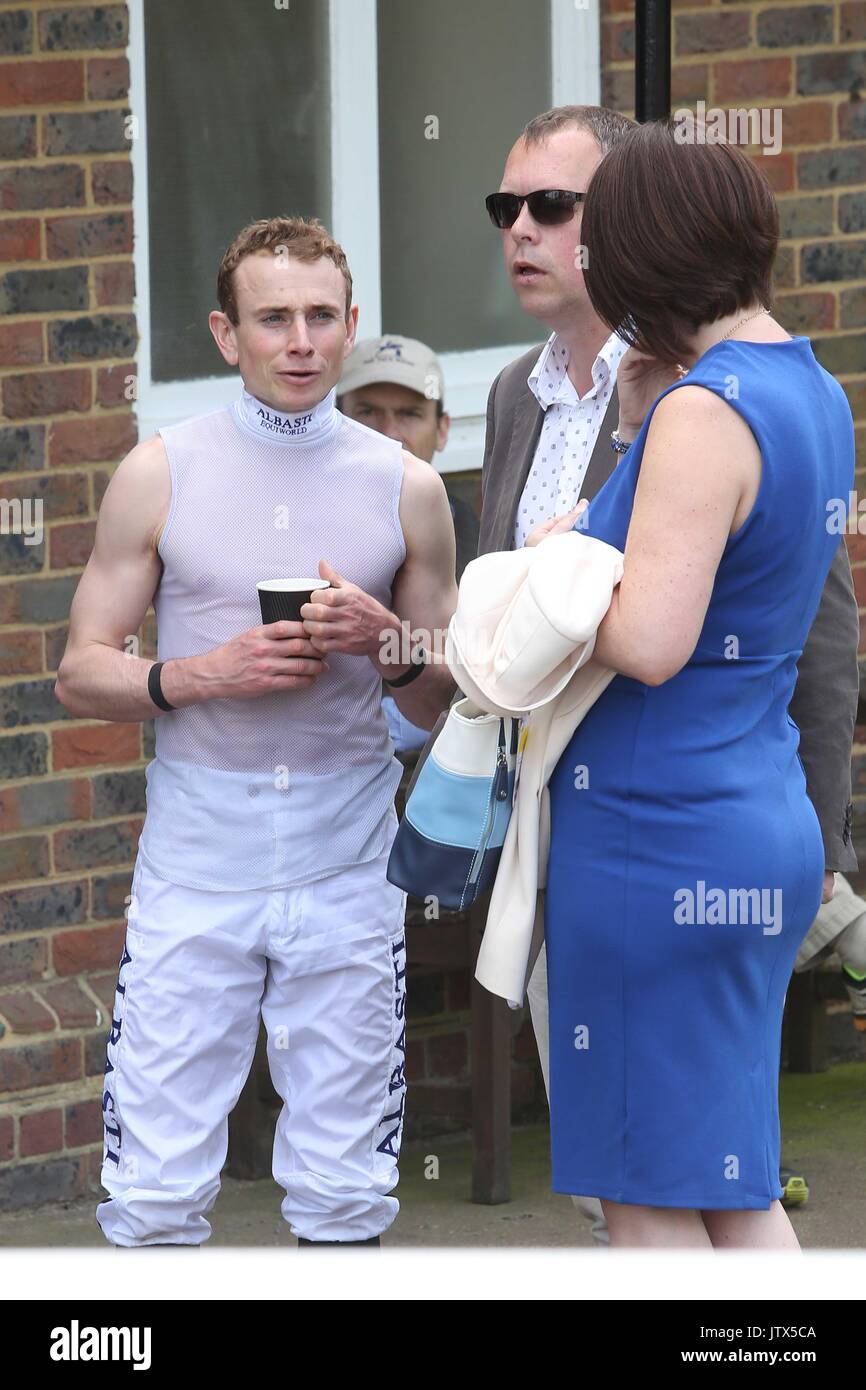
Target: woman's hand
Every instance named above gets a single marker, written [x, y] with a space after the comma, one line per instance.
[639, 380]
[556, 525]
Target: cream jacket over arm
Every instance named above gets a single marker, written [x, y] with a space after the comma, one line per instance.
[520, 642]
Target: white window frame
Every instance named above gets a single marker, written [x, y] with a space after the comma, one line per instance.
[576, 77]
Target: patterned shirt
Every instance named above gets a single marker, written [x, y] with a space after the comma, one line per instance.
[568, 434]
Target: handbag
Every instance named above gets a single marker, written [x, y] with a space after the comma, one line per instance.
[449, 841]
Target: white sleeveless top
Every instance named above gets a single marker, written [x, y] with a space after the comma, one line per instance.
[286, 787]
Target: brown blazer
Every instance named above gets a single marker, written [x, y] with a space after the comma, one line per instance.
[824, 703]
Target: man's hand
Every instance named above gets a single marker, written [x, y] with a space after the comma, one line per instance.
[273, 656]
[829, 887]
[557, 524]
[344, 618]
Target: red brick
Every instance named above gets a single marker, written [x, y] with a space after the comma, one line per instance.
[76, 803]
[27, 186]
[46, 393]
[83, 744]
[689, 84]
[779, 169]
[112, 384]
[24, 1013]
[10, 811]
[95, 948]
[617, 89]
[33, 84]
[806, 311]
[40, 1132]
[112, 181]
[711, 33]
[810, 123]
[73, 26]
[63, 493]
[856, 393]
[20, 653]
[20, 344]
[26, 856]
[84, 1124]
[103, 843]
[99, 439]
[752, 77]
[107, 79]
[852, 21]
[850, 118]
[785, 268]
[856, 546]
[73, 1007]
[23, 960]
[19, 240]
[7, 1138]
[617, 41]
[104, 987]
[114, 282]
[85, 235]
[70, 544]
[40, 1064]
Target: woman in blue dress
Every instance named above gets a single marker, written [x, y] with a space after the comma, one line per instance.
[686, 860]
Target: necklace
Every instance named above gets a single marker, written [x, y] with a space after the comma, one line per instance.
[756, 315]
[684, 371]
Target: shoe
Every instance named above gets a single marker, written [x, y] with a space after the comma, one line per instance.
[795, 1189]
[856, 988]
[373, 1240]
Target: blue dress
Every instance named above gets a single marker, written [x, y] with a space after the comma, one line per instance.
[686, 860]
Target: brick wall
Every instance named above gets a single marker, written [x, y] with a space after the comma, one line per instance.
[72, 803]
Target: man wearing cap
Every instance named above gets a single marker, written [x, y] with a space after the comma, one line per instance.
[395, 385]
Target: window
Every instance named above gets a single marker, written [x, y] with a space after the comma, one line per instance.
[388, 119]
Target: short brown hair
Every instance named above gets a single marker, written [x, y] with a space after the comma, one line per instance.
[304, 237]
[605, 126]
[677, 235]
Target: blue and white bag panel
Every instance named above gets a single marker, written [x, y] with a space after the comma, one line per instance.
[450, 839]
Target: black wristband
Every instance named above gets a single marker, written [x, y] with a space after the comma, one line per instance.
[415, 669]
[154, 689]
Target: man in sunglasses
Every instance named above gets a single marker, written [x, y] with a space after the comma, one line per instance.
[550, 415]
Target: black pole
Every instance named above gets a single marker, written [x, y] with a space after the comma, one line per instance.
[652, 60]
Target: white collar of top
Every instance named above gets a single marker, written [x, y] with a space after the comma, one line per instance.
[303, 426]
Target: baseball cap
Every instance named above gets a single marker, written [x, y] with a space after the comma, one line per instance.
[392, 358]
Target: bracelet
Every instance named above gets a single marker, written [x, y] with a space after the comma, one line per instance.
[154, 688]
[415, 669]
[618, 444]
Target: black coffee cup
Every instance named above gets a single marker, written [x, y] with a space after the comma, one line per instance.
[281, 599]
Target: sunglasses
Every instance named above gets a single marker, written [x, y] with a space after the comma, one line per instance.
[548, 206]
